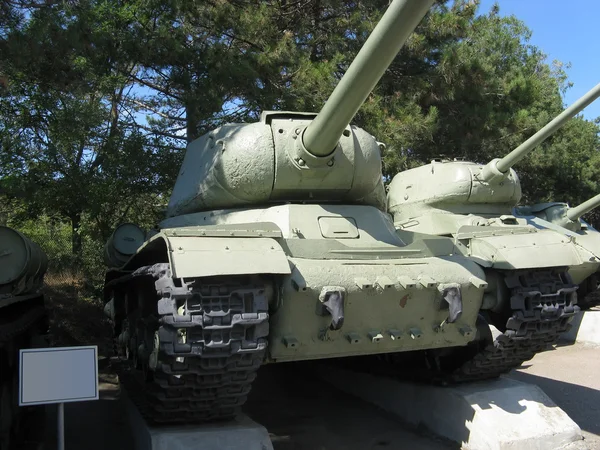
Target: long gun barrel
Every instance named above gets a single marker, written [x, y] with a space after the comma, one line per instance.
[573, 214]
[496, 168]
[399, 21]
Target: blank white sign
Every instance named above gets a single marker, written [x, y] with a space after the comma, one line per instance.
[58, 375]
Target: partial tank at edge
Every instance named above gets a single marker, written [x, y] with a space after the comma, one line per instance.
[23, 319]
[277, 247]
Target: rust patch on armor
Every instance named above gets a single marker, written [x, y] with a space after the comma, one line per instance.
[403, 300]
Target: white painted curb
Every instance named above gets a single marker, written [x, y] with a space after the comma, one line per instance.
[494, 415]
[240, 434]
[585, 328]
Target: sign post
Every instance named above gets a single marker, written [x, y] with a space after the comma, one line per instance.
[61, 426]
[58, 375]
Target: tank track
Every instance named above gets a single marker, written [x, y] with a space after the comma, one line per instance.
[212, 338]
[542, 304]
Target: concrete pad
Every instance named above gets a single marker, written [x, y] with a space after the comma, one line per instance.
[585, 328]
[493, 415]
[240, 434]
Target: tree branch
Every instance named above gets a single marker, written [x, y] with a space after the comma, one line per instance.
[155, 111]
[162, 133]
[156, 87]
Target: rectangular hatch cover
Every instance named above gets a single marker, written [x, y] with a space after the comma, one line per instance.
[338, 227]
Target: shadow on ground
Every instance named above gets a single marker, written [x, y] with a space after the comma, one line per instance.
[581, 403]
[303, 413]
[93, 425]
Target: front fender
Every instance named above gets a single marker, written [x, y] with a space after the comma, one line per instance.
[204, 256]
[212, 256]
[542, 249]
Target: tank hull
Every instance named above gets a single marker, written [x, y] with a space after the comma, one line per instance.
[507, 242]
[390, 287]
[235, 289]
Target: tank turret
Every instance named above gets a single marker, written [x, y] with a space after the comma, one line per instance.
[468, 188]
[559, 213]
[293, 156]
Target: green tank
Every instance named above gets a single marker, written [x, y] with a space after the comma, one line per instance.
[473, 204]
[567, 220]
[277, 247]
[22, 319]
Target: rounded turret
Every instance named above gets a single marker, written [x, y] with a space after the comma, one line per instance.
[468, 188]
[300, 157]
[559, 213]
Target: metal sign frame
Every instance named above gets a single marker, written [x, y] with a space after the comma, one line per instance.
[92, 349]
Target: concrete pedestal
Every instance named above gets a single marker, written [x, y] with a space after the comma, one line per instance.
[585, 328]
[240, 434]
[494, 415]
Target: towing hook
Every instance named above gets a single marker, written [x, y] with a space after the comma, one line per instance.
[331, 301]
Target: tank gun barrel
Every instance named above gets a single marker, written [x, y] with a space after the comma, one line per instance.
[576, 212]
[496, 168]
[399, 21]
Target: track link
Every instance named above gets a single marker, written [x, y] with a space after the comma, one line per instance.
[209, 339]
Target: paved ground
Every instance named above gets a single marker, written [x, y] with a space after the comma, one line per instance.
[302, 413]
[570, 376]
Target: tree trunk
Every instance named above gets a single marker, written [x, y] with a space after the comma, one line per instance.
[76, 245]
[191, 119]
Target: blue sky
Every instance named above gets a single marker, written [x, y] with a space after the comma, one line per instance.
[567, 31]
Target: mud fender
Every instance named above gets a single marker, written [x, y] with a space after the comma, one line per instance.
[522, 251]
[213, 256]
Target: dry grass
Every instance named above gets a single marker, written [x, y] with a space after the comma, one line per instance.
[76, 313]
